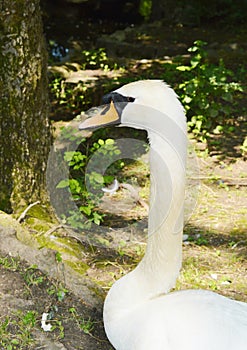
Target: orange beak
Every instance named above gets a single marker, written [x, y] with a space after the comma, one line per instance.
[108, 115]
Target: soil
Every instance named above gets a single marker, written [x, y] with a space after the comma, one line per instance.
[34, 279]
[19, 297]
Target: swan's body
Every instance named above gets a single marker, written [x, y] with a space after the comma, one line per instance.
[138, 312]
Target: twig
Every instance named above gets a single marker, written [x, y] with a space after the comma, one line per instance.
[239, 242]
[53, 229]
[24, 213]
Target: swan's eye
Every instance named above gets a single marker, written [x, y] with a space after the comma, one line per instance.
[130, 99]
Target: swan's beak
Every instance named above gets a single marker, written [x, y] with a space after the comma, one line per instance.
[105, 116]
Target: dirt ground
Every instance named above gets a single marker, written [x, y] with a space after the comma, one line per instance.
[26, 293]
[18, 297]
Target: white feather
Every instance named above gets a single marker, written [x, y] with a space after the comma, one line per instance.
[139, 311]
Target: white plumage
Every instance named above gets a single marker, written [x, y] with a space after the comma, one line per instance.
[139, 311]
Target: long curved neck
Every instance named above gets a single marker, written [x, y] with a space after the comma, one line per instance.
[162, 260]
[158, 270]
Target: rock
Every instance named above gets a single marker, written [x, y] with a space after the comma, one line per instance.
[46, 261]
[90, 76]
[15, 230]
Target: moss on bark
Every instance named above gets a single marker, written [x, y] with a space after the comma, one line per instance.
[24, 125]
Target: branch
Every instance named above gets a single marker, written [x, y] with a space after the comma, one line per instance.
[24, 213]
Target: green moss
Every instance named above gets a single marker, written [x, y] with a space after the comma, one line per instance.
[70, 246]
[97, 291]
[78, 266]
[40, 212]
[63, 245]
[71, 252]
[5, 204]
[37, 225]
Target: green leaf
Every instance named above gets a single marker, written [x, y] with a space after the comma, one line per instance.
[68, 156]
[218, 129]
[109, 141]
[86, 210]
[101, 142]
[108, 179]
[75, 186]
[183, 68]
[61, 294]
[63, 184]
[98, 178]
[29, 318]
[187, 99]
[58, 257]
[97, 218]
[195, 61]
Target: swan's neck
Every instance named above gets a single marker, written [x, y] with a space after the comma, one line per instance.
[162, 261]
[158, 270]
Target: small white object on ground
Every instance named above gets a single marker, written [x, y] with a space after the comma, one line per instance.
[112, 188]
[45, 326]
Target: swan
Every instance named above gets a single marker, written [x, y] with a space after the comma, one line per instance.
[140, 312]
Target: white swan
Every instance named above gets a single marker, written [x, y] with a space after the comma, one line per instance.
[139, 313]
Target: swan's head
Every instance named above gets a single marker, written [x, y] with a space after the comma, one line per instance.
[125, 104]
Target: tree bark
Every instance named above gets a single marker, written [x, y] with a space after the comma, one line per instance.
[24, 124]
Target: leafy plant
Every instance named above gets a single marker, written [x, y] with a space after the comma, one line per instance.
[145, 8]
[86, 325]
[16, 330]
[80, 178]
[207, 92]
[198, 239]
[59, 291]
[10, 263]
[68, 96]
[94, 59]
[32, 276]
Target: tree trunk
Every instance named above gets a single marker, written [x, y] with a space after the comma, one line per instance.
[24, 125]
